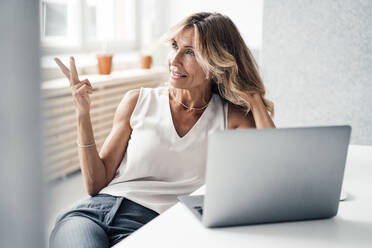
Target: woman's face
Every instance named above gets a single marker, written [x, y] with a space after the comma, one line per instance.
[185, 72]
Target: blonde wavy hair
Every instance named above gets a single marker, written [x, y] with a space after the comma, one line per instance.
[224, 57]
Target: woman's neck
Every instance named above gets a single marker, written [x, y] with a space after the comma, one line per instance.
[197, 97]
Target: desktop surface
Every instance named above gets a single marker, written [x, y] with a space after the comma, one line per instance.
[352, 227]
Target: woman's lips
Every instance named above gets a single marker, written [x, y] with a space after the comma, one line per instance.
[177, 75]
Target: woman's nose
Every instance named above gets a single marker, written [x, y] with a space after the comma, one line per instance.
[175, 58]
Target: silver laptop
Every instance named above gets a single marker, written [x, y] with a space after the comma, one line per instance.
[272, 175]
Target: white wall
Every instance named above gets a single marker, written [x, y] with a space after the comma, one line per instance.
[316, 58]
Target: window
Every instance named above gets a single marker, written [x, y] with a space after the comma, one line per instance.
[110, 19]
[57, 23]
[87, 25]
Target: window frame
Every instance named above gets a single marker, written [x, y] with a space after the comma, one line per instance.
[81, 44]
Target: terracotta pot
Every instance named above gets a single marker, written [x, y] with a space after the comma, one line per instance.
[146, 61]
[104, 63]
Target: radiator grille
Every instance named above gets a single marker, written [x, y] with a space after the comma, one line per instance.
[59, 122]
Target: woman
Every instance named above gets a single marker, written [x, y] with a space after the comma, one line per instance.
[156, 149]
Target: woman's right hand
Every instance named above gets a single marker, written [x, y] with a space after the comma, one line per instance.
[80, 89]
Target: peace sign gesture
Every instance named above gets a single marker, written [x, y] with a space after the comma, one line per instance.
[80, 89]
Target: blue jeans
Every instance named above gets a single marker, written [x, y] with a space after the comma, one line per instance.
[99, 221]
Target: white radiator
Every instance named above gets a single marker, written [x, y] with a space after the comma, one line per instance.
[59, 125]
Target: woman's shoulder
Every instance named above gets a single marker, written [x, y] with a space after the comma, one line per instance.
[158, 90]
[132, 96]
[126, 106]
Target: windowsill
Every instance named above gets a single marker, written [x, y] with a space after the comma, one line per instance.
[87, 64]
[116, 76]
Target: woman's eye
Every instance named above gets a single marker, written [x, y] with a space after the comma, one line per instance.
[174, 45]
[190, 52]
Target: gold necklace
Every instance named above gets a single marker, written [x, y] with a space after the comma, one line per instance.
[189, 109]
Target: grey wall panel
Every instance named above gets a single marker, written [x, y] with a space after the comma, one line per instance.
[317, 63]
[21, 189]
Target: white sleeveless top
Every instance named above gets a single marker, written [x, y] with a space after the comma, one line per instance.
[158, 164]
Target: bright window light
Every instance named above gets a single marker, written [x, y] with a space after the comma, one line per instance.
[110, 20]
[87, 24]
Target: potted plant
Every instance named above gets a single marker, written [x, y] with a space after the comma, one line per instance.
[147, 55]
[104, 60]
[146, 61]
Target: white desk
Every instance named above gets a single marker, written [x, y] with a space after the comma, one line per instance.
[352, 227]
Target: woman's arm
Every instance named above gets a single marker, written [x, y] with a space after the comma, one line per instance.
[99, 169]
[115, 145]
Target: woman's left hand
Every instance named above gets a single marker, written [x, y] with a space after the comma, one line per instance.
[255, 100]
[260, 114]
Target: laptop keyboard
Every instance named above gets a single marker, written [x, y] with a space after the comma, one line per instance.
[199, 209]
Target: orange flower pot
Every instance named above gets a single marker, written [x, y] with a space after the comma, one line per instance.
[104, 63]
[146, 62]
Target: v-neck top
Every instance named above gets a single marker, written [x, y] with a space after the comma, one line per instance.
[158, 164]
